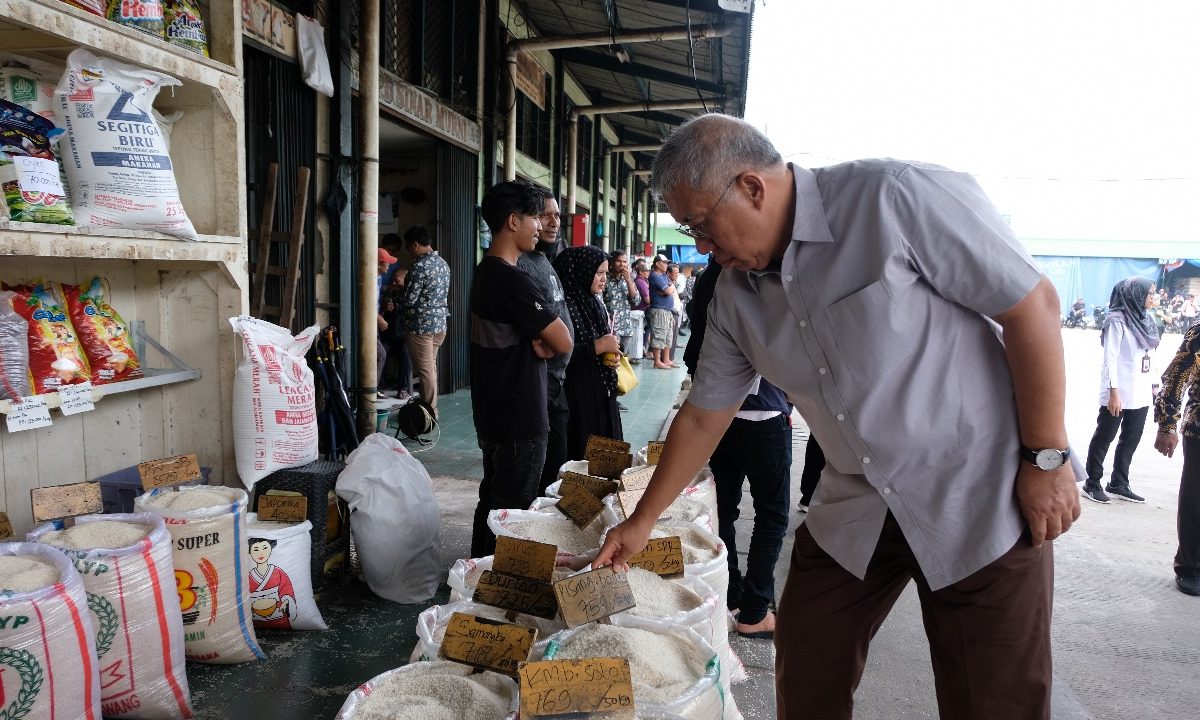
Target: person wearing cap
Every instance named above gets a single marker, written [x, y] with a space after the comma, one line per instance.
[661, 314]
[423, 309]
[385, 260]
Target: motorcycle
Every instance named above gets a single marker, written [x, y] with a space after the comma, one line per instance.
[1076, 319]
[1099, 312]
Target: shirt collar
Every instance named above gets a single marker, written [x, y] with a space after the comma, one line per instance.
[810, 224]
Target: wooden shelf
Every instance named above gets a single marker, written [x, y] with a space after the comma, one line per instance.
[54, 28]
[69, 241]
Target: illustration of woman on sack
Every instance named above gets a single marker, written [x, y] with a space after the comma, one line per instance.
[271, 596]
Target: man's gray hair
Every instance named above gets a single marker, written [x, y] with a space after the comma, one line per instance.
[702, 152]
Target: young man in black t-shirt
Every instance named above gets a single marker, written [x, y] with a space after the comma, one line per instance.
[513, 332]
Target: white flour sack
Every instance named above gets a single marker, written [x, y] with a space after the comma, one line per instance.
[48, 665]
[126, 566]
[208, 544]
[274, 400]
[117, 163]
[279, 558]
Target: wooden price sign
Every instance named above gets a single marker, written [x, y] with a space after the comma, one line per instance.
[516, 593]
[638, 479]
[591, 685]
[629, 500]
[654, 450]
[169, 471]
[593, 595]
[6, 528]
[598, 443]
[608, 464]
[663, 556]
[66, 501]
[600, 487]
[488, 644]
[579, 505]
[282, 508]
[524, 558]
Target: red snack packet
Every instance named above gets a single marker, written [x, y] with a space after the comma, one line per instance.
[102, 332]
[55, 356]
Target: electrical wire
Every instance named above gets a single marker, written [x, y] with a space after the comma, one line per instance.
[692, 57]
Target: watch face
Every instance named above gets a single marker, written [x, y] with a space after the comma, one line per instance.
[1049, 459]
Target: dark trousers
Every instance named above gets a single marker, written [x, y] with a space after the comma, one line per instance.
[814, 463]
[556, 441]
[762, 452]
[1130, 423]
[510, 477]
[989, 634]
[1187, 558]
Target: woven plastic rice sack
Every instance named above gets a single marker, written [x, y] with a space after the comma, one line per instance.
[185, 25]
[144, 15]
[208, 534]
[576, 547]
[672, 668]
[274, 400]
[29, 173]
[27, 86]
[117, 164]
[435, 690]
[433, 621]
[464, 576]
[47, 642]
[14, 350]
[131, 594]
[280, 578]
[102, 331]
[55, 355]
[395, 521]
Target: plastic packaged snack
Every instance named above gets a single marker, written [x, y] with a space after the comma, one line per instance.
[14, 350]
[144, 15]
[102, 332]
[55, 356]
[185, 25]
[29, 173]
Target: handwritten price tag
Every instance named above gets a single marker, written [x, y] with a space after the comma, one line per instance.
[487, 644]
[637, 479]
[38, 175]
[654, 450]
[51, 503]
[283, 508]
[663, 556]
[169, 471]
[6, 528]
[597, 443]
[511, 592]
[600, 487]
[28, 414]
[608, 464]
[75, 399]
[525, 558]
[559, 687]
[579, 505]
[593, 595]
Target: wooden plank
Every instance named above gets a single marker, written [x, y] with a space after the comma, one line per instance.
[168, 471]
[6, 528]
[282, 508]
[559, 687]
[579, 505]
[594, 595]
[599, 442]
[487, 644]
[663, 556]
[600, 487]
[654, 450]
[66, 501]
[295, 244]
[266, 221]
[512, 592]
[524, 558]
[608, 464]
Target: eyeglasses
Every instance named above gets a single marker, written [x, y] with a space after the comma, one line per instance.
[697, 233]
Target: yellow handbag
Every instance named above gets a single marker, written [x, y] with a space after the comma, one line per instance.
[627, 380]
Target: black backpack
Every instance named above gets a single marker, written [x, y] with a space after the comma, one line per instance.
[414, 419]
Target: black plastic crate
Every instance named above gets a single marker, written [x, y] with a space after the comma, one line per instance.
[118, 489]
[314, 481]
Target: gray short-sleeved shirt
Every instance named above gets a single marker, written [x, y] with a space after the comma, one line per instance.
[876, 326]
[539, 268]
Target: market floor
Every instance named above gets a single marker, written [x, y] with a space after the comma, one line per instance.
[309, 674]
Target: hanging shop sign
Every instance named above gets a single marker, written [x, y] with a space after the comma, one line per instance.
[414, 105]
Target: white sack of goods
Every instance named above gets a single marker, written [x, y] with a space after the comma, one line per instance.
[436, 690]
[395, 520]
[126, 566]
[117, 163]
[274, 400]
[280, 562]
[47, 640]
[208, 543]
[433, 622]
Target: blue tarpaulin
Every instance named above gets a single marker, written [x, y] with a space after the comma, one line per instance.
[1093, 278]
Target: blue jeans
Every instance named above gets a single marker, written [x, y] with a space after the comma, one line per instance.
[760, 450]
[510, 480]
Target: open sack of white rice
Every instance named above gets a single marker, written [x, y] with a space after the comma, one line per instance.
[127, 569]
[464, 576]
[208, 539]
[434, 690]
[47, 640]
[576, 546]
[433, 621]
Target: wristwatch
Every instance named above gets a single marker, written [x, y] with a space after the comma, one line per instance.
[1047, 458]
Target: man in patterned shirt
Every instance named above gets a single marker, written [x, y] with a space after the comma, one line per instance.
[423, 310]
[1184, 373]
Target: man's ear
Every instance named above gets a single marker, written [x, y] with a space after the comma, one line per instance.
[755, 186]
[513, 223]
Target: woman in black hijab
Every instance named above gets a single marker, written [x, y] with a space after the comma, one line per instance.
[591, 384]
[1128, 336]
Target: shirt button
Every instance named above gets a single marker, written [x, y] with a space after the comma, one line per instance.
[787, 277]
[866, 461]
[840, 416]
[822, 371]
[887, 491]
[803, 323]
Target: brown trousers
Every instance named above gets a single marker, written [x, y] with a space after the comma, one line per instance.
[423, 350]
[989, 634]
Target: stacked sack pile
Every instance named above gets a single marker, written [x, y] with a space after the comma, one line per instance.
[675, 638]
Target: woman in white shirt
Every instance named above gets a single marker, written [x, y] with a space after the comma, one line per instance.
[1128, 336]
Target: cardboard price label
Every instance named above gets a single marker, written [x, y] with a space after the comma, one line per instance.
[519, 594]
[608, 464]
[663, 556]
[6, 528]
[591, 685]
[66, 501]
[488, 644]
[638, 479]
[598, 443]
[593, 595]
[579, 505]
[282, 508]
[654, 450]
[169, 471]
[524, 558]
[600, 487]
